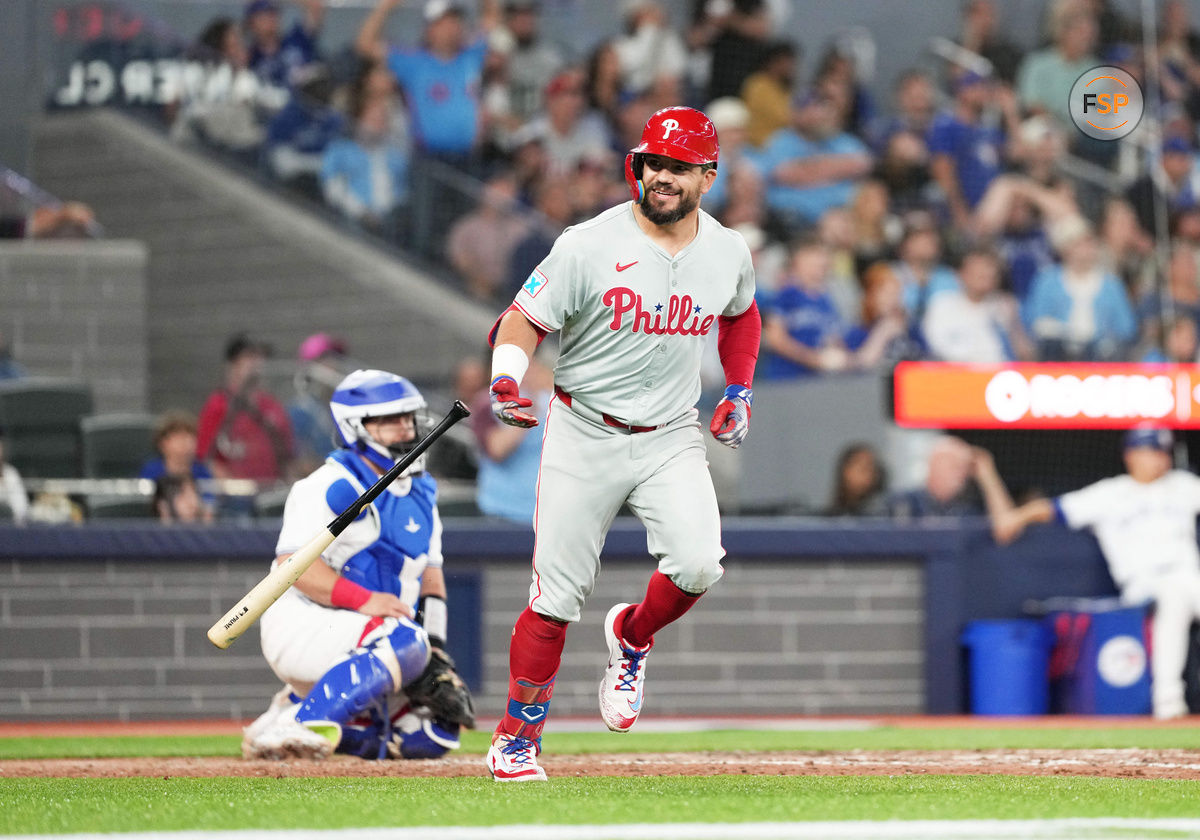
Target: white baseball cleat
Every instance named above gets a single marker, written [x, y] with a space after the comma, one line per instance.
[514, 760]
[624, 685]
[286, 738]
[250, 734]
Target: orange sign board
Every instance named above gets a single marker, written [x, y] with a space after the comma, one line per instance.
[1046, 395]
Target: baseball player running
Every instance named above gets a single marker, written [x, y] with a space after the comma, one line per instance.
[634, 293]
[359, 639]
[1145, 522]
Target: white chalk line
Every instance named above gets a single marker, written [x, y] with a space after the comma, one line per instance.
[1111, 828]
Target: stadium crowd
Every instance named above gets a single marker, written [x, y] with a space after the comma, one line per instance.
[962, 220]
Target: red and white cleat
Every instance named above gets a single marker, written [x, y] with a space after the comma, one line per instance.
[514, 760]
[623, 688]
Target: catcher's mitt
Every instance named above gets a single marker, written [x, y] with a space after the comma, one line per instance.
[443, 691]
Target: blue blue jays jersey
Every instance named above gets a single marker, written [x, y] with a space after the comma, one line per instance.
[394, 539]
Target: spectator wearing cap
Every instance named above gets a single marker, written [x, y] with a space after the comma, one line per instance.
[1078, 311]
[968, 145]
[321, 365]
[277, 57]
[568, 132]
[243, 431]
[813, 166]
[531, 60]
[1045, 77]
[767, 92]
[440, 78]
[1145, 522]
[442, 82]
[1172, 179]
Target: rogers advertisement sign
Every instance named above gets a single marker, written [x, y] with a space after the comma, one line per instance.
[1046, 395]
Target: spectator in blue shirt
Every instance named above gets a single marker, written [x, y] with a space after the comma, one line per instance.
[801, 326]
[441, 78]
[814, 166]
[365, 177]
[967, 144]
[1078, 311]
[277, 56]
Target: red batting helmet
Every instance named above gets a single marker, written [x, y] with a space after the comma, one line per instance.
[681, 133]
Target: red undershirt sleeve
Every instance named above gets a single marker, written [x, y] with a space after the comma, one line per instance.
[738, 337]
[496, 326]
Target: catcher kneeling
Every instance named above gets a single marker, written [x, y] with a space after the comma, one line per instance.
[359, 639]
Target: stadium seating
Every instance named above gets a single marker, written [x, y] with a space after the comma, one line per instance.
[116, 445]
[41, 419]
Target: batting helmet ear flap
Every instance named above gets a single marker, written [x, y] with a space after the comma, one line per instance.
[633, 176]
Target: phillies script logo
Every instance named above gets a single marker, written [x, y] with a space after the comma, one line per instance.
[682, 317]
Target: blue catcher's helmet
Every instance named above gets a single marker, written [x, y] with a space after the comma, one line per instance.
[375, 393]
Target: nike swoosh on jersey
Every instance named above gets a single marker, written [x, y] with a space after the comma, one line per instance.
[623, 267]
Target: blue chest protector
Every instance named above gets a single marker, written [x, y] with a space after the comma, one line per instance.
[405, 526]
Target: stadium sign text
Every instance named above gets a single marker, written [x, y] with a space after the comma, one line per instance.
[162, 82]
[1046, 395]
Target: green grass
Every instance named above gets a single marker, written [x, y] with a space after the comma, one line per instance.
[883, 738]
[50, 806]
[105, 805]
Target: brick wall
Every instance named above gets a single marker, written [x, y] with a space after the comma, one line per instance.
[78, 310]
[124, 639]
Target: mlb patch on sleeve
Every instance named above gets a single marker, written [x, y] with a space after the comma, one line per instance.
[536, 282]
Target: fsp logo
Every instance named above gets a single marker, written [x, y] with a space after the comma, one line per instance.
[668, 127]
[1106, 103]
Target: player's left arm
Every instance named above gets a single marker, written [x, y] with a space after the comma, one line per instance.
[738, 338]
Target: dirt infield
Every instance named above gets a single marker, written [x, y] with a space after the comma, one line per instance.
[1157, 764]
[1118, 763]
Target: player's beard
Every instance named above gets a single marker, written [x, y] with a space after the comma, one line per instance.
[687, 203]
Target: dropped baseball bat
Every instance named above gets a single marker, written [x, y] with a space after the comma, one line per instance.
[267, 591]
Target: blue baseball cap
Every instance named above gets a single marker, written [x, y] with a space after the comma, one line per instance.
[256, 6]
[968, 78]
[1177, 144]
[1148, 437]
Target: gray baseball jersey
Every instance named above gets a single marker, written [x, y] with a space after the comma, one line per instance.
[633, 324]
[633, 318]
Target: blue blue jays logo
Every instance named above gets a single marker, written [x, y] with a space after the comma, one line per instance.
[535, 283]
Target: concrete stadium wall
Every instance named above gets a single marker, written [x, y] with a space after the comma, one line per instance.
[77, 310]
[108, 621]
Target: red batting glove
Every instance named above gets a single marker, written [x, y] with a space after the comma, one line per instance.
[507, 403]
[731, 420]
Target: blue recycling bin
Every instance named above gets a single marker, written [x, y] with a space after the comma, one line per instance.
[1100, 662]
[1009, 666]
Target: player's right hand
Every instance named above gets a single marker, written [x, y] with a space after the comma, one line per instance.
[507, 403]
[386, 605]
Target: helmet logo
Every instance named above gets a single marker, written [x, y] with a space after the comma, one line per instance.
[668, 127]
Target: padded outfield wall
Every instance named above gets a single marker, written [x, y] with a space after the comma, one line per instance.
[107, 621]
